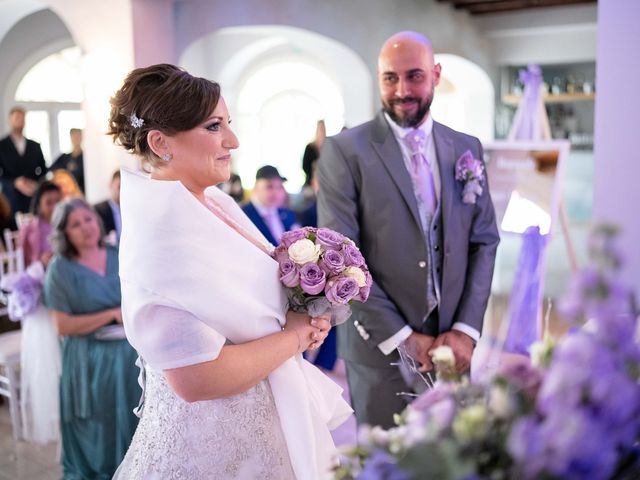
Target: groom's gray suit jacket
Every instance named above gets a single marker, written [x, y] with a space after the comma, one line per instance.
[366, 193]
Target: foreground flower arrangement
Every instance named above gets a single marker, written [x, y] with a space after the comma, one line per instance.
[572, 413]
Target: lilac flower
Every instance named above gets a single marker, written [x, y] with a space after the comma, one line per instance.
[329, 238]
[342, 290]
[24, 297]
[468, 168]
[332, 262]
[281, 253]
[289, 238]
[352, 256]
[382, 466]
[289, 274]
[312, 279]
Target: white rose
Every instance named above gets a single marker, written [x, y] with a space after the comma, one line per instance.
[500, 401]
[357, 274]
[444, 355]
[304, 251]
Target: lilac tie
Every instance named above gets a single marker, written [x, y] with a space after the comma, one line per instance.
[420, 171]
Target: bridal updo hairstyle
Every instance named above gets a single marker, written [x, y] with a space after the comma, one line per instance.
[159, 97]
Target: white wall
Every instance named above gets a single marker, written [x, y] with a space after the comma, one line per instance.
[104, 32]
[617, 168]
[545, 36]
[362, 25]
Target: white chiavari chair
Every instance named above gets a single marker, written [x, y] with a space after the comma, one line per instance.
[11, 262]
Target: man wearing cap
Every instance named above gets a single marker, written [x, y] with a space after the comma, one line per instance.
[265, 207]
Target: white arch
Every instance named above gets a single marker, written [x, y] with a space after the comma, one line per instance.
[465, 98]
[261, 67]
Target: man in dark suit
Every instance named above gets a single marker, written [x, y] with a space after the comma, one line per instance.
[21, 164]
[390, 185]
[265, 209]
[109, 210]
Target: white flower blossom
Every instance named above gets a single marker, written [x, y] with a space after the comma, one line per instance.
[304, 251]
[357, 274]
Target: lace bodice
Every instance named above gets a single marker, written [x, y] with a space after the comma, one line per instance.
[237, 437]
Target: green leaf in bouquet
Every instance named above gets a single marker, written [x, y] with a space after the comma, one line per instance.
[440, 460]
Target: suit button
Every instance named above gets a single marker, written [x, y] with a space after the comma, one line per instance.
[422, 264]
[436, 248]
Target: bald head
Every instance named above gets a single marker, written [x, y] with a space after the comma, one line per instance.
[407, 77]
[405, 43]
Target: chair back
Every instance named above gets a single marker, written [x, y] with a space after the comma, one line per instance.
[11, 242]
[23, 218]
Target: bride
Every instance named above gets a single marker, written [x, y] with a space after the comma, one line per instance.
[227, 393]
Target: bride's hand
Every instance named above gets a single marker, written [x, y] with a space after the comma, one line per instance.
[309, 335]
[323, 323]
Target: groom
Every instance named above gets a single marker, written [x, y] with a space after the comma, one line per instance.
[390, 185]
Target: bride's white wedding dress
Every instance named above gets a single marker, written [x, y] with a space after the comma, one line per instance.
[190, 284]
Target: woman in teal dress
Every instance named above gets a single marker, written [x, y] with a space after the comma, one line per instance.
[98, 386]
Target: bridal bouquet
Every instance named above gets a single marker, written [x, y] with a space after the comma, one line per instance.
[323, 271]
[573, 412]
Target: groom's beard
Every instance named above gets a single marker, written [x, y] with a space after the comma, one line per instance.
[407, 121]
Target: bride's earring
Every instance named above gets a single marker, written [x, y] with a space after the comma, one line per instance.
[167, 157]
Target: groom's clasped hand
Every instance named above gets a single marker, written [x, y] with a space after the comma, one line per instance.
[420, 347]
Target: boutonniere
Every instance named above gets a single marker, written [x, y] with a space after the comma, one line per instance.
[469, 170]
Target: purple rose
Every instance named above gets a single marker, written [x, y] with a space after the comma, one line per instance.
[342, 290]
[289, 238]
[312, 279]
[329, 238]
[289, 275]
[332, 262]
[280, 254]
[352, 256]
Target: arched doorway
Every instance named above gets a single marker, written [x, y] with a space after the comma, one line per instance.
[278, 81]
[464, 100]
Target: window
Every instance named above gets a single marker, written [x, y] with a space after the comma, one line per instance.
[51, 92]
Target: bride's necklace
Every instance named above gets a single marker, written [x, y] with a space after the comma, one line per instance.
[226, 218]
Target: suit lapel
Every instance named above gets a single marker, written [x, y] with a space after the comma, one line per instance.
[445, 154]
[385, 145]
[260, 223]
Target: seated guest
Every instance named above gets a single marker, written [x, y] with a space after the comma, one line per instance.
[72, 162]
[265, 208]
[67, 183]
[109, 210]
[98, 385]
[34, 236]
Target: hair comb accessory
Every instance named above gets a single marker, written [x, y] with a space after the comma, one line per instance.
[135, 121]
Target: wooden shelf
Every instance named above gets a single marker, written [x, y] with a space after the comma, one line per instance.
[561, 98]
